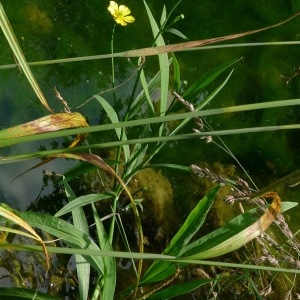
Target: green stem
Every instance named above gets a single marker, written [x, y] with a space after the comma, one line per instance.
[115, 199]
[113, 64]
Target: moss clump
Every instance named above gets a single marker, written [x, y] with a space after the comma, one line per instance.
[158, 196]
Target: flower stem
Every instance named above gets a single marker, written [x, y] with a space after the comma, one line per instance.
[113, 65]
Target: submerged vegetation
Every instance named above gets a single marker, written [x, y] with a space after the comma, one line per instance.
[105, 215]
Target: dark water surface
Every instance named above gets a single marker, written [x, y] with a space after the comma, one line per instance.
[49, 30]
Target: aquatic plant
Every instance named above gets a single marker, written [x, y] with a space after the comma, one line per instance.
[180, 252]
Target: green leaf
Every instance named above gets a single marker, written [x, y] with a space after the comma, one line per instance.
[15, 47]
[83, 200]
[178, 289]
[70, 235]
[202, 104]
[114, 119]
[176, 32]
[176, 73]
[163, 63]
[79, 169]
[163, 16]
[21, 293]
[170, 166]
[144, 96]
[198, 108]
[109, 277]
[80, 222]
[217, 237]
[207, 78]
[136, 159]
[190, 227]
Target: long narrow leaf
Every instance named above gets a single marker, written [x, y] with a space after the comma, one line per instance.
[22, 293]
[60, 152]
[193, 44]
[183, 236]
[83, 200]
[178, 289]
[163, 63]
[147, 121]
[109, 278]
[49, 123]
[125, 54]
[236, 241]
[114, 119]
[203, 104]
[207, 78]
[80, 222]
[176, 73]
[70, 235]
[145, 95]
[99, 162]
[13, 42]
[232, 228]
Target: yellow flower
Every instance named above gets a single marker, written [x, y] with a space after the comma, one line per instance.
[120, 13]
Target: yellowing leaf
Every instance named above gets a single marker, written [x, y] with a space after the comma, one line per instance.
[49, 123]
[246, 235]
[8, 213]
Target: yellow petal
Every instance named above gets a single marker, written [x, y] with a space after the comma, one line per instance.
[124, 10]
[113, 8]
[120, 21]
[120, 13]
[129, 19]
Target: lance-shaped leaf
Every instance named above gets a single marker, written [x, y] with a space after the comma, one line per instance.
[193, 44]
[69, 234]
[157, 50]
[100, 163]
[49, 123]
[236, 241]
[13, 42]
[23, 293]
[8, 213]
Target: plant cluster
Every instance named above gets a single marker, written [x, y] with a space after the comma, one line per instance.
[161, 280]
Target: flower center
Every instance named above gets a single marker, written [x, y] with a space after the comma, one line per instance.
[119, 14]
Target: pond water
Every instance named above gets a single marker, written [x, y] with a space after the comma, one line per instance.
[49, 30]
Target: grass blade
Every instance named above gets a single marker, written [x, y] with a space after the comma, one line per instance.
[183, 236]
[145, 95]
[207, 78]
[10, 214]
[13, 42]
[70, 235]
[178, 289]
[22, 293]
[49, 123]
[232, 228]
[229, 244]
[83, 200]
[190, 45]
[147, 121]
[163, 63]
[163, 16]
[176, 73]
[99, 162]
[80, 222]
[114, 119]
[109, 277]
